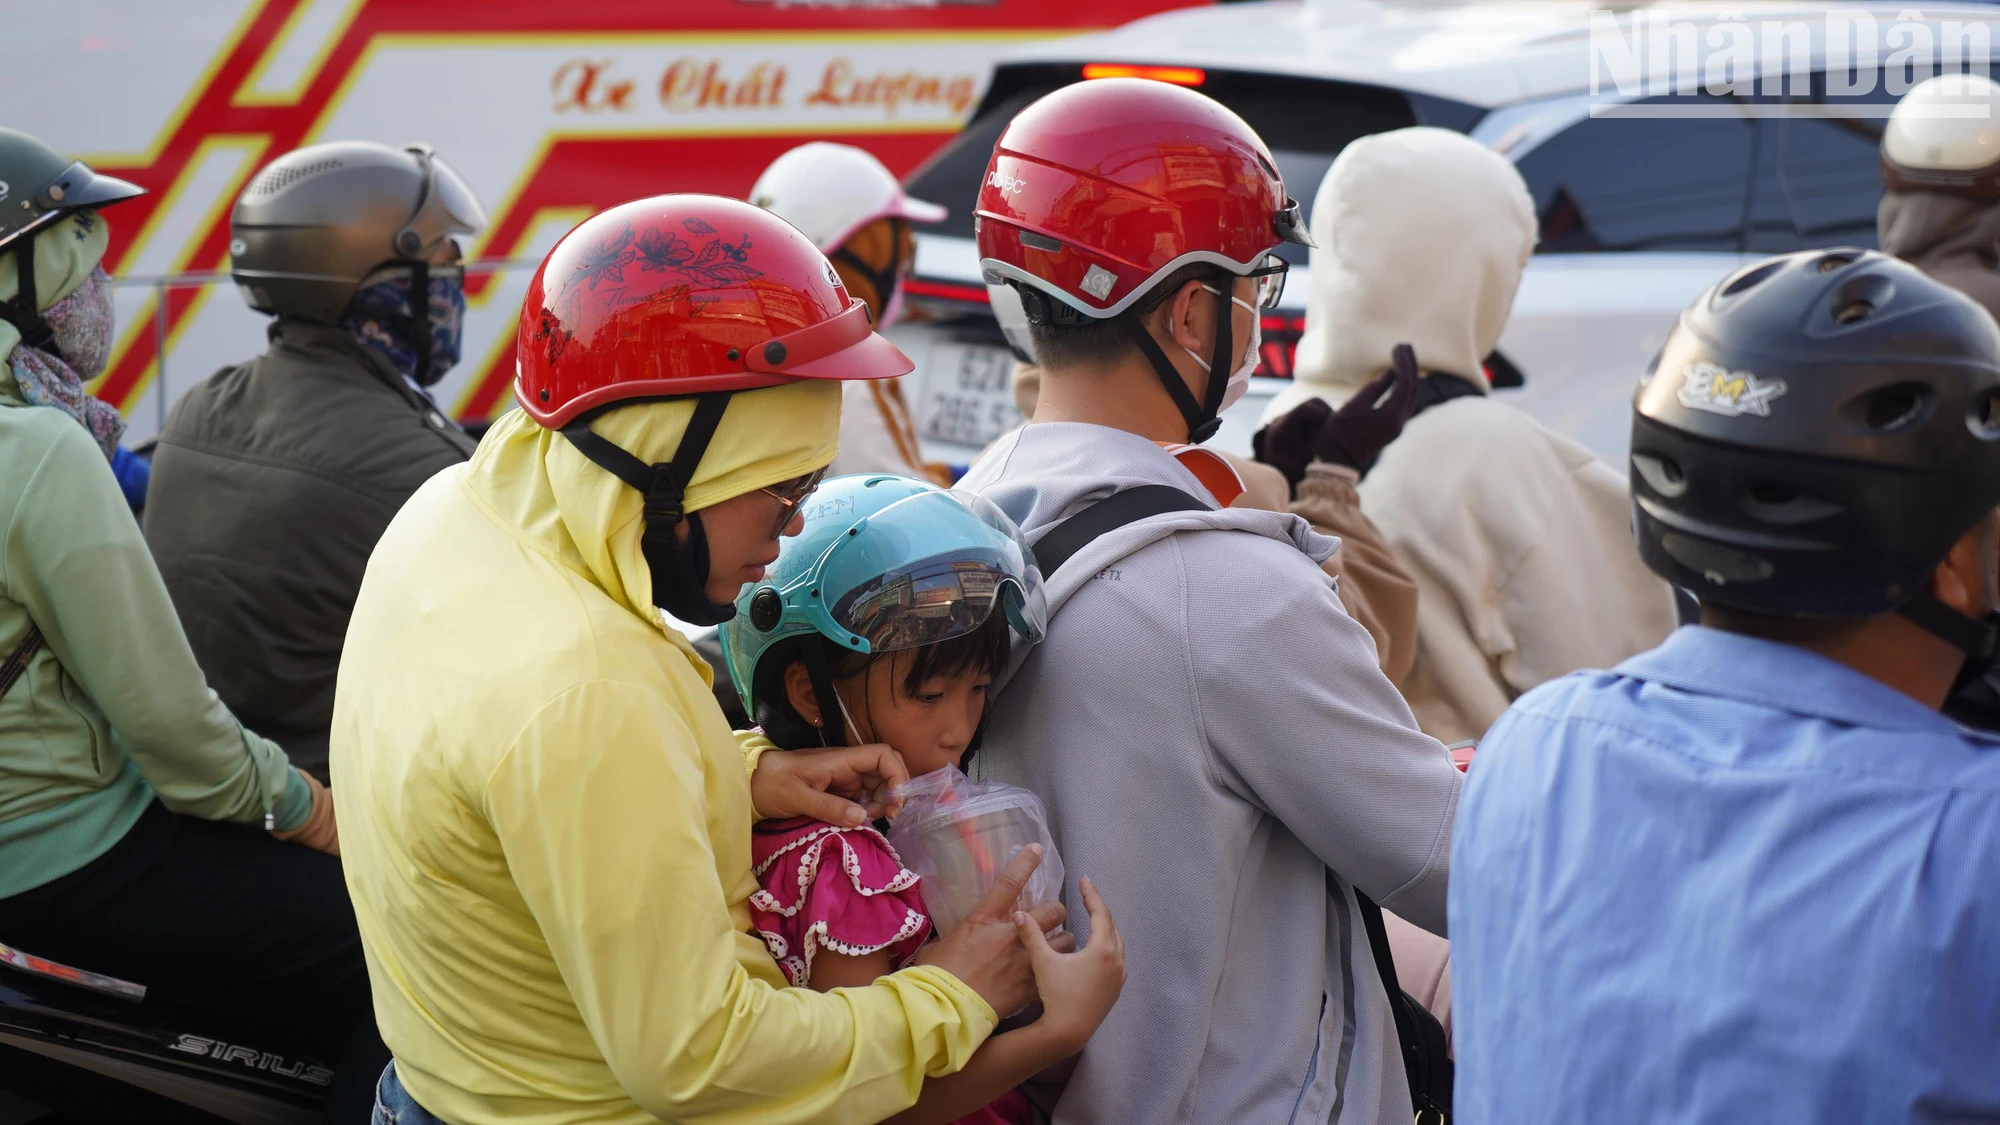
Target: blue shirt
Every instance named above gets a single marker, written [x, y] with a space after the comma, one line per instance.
[1729, 881]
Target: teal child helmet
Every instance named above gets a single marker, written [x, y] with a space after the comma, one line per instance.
[886, 563]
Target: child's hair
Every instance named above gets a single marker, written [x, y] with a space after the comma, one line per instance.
[983, 650]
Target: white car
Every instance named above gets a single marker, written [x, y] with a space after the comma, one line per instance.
[1638, 214]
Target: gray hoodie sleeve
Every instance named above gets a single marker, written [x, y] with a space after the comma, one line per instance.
[1301, 722]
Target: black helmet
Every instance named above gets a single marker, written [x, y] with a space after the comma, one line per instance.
[1816, 433]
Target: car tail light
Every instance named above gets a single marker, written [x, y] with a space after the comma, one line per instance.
[944, 290]
[1281, 344]
[1178, 75]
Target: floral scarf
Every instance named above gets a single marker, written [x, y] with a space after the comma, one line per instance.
[379, 316]
[82, 323]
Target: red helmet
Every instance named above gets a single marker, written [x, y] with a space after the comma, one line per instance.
[684, 295]
[1101, 189]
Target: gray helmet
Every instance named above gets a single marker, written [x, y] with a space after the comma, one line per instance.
[318, 220]
[38, 186]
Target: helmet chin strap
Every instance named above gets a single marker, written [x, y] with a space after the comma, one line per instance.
[23, 311]
[884, 280]
[1978, 638]
[1202, 417]
[420, 320]
[679, 570]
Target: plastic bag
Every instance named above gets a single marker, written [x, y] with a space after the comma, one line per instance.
[958, 835]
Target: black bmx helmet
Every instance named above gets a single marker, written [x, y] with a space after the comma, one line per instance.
[1816, 433]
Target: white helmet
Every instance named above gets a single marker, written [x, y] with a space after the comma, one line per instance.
[1945, 136]
[829, 191]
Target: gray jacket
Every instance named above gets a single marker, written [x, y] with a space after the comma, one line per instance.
[1211, 734]
[271, 484]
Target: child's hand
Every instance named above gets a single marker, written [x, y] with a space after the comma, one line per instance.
[1076, 989]
[985, 951]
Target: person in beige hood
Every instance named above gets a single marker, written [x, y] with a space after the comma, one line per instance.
[1518, 538]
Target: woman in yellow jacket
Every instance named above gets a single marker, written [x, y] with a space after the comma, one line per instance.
[545, 817]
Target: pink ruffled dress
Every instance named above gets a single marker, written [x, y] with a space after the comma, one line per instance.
[845, 890]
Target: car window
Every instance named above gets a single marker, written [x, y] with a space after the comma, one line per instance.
[1643, 183]
[1819, 176]
[1305, 122]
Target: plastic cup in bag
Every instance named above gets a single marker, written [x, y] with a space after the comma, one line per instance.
[958, 835]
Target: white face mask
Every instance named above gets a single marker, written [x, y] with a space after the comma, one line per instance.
[1239, 379]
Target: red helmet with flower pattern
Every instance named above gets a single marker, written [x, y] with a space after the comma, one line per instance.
[682, 295]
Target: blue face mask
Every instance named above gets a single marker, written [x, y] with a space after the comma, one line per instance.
[379, 316]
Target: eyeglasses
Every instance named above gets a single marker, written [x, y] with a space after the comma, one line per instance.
[790, 494]
[1269, 279]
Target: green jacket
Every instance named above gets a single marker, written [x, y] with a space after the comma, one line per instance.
[113, 710]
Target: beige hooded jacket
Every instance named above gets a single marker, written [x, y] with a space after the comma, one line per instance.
[1518, 538]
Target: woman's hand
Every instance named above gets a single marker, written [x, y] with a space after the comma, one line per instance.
[846, 786]
[1077, 989]
[319, 832]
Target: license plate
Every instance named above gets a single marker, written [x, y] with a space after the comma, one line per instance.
[968, 393]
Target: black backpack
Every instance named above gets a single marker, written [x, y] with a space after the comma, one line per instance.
[1426, 1050]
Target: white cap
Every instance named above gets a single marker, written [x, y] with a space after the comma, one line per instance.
[1947, 124]
[829, 191]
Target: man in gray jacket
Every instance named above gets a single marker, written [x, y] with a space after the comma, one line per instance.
[1210, 730]
[274, 479]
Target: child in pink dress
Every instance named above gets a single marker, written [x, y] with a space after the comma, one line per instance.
[842, 895]
[836, 906]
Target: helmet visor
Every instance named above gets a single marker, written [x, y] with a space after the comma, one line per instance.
[923, 573]
[1290, 224]
[457, 200]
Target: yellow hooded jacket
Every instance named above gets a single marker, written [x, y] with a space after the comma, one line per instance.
[545, 818]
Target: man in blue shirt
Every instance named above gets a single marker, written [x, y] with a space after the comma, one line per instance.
[1753, 875]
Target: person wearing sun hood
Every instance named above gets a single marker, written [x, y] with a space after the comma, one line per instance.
[547, 818]
[1519, 539]
[145, 832]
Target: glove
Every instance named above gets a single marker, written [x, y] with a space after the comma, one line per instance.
[319, 832]
[1354, 435]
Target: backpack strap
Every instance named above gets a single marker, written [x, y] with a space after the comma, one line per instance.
[17, 661]
[1064, 540]
[1425, 1048]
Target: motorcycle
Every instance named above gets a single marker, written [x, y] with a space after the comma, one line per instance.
[88, 1048]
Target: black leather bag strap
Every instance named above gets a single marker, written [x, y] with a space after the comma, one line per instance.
[17, 661]
[1426, 1048]
[1064, 540]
